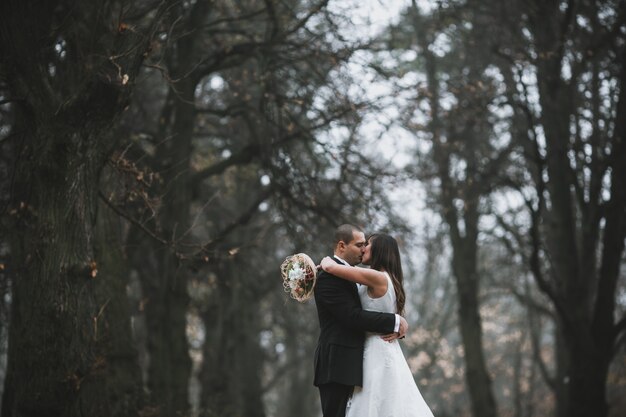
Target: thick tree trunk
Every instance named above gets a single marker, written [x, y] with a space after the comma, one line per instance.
[62, 353]
[63, 357]
[586, 382]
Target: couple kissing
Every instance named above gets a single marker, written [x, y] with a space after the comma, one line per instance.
[360, 369]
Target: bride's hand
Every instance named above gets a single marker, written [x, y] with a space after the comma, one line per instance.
[326, 263]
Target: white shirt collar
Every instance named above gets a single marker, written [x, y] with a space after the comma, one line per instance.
[342, 261]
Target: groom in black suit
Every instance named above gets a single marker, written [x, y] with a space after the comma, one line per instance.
[343, 323]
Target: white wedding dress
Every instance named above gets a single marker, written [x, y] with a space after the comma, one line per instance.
[389, 389]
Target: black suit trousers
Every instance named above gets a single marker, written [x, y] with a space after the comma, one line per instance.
[334, 398]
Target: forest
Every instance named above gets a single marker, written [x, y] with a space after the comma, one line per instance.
[159, 159]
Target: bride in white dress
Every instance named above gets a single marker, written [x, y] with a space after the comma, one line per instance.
[389, 389]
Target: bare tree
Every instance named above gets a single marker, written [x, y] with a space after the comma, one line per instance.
[575, 153]
[463, 159]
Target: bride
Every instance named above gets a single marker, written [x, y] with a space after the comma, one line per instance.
[389, 389]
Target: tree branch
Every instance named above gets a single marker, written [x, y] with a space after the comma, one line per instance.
[620, 327]
[243, 219]
[244, 156]
[134, 221]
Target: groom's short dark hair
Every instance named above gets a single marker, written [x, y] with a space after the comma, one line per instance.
[345, 233]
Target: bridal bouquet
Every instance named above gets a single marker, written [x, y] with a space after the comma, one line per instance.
[299, 274]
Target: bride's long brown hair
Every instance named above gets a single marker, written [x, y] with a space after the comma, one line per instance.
[385, 256]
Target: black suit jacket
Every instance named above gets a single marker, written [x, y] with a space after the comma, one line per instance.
[343, 323]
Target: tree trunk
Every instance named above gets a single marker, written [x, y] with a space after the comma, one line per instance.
[592, 347]
[470, 325]
[250, 360]
[59, 358]
[63, 361]
[124, 392]
[463, 227]
[164, 281]
[169, 365]
[561, 357]
[216, 375]
[299, 374]
[584, 296]
[233, 360]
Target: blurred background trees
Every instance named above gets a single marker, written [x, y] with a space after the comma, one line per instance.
[160, 159]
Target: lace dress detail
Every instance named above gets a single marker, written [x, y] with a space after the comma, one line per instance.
[389, 389]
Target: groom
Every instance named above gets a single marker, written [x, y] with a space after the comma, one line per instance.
[343, 323]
